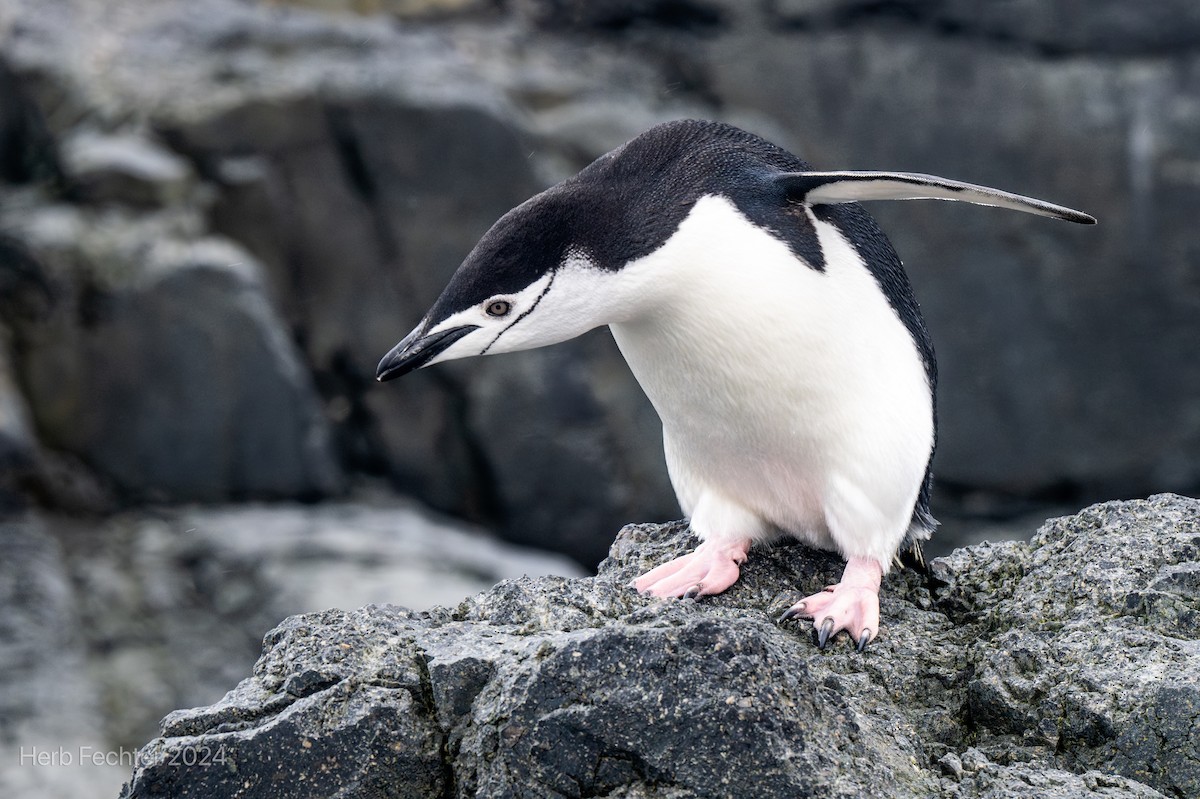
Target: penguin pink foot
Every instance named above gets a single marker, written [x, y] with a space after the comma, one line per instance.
[851, 605]
[709, 569]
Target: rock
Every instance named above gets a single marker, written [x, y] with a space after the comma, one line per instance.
[124, 168]
[1108, 28]
[18, 446]
[49, 708]
[1065, 667]
[28, 149]
[404, 9]
[162, 364]
[988, 779]
[1094, 628]
[348, 554]
[564, 431]
[174, 603]
[388, 189]
[1054, 29]
[27, 469]
[108, 625]
[621, 15]
[390, 172]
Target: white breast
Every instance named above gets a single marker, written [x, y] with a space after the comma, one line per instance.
[792, 396]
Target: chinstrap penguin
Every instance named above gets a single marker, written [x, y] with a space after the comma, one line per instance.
[769, 321]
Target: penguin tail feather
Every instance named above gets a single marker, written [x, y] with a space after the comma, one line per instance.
[919, 530]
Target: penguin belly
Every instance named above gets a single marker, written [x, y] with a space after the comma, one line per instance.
[792, 400]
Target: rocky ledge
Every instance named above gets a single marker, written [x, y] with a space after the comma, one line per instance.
[1068, 666]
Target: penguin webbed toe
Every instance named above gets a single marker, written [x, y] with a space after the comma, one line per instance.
[708, 569]
[851, 605]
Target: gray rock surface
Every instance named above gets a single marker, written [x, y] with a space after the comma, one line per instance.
[175, 603]
[124, 169]
[47, 705]
[553, 422]
[1048, 28]
[107, 626]
[357, 163]
[163, 365]
[1067, 667]
[18, 445]
[28, 149]
[349, 554]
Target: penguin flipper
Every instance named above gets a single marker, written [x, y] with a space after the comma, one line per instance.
[822, 188]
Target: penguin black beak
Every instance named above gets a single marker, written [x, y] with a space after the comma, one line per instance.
[416, 350]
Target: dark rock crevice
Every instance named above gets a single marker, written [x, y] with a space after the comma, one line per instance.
[625, 16]
[28, 151]
[429, 706]
[1046, 29]
[1049, 30]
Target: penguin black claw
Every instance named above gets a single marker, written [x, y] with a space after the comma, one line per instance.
[791, 613]
[863, 640]
[824, 633]
[692, 592]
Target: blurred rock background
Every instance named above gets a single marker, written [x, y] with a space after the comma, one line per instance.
[216, 216]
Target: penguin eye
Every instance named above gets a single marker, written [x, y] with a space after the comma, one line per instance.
[498, 308]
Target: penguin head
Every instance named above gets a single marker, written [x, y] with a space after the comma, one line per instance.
[528, 283]
[554, 267]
